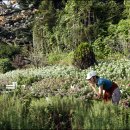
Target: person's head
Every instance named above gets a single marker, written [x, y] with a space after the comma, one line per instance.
[92, 77]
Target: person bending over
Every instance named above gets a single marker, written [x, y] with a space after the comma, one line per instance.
[107, 89]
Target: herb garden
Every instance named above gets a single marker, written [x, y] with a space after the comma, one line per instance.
[59, 97]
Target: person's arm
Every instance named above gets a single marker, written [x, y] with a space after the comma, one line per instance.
[94, 89]
[100, 91]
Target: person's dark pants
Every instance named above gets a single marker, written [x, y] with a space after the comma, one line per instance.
[113, 94]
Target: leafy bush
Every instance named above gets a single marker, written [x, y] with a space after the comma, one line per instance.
[68, 59]
[60, 58]
[117, 41]
[101, 48]
[8, 51]
[27, 80]
[84, 56]
[5, 65]
[55, 57]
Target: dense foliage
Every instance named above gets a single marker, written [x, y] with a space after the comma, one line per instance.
[7, 51]
[5, 65]
[60, 26]
[104, 24]
[78, 22]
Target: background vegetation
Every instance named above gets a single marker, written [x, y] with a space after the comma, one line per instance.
[58, 28]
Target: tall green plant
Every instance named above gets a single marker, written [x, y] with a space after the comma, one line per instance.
[74, 25]
[84, 56]
[43, 27]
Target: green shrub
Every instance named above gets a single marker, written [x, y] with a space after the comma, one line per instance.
[7, 51]
[68, 59]
[5, 65]
[84, 56]
[101, 48]
[55, 57]
[116, 43]
[27, 80]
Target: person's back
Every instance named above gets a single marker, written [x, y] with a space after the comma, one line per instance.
[104, 82]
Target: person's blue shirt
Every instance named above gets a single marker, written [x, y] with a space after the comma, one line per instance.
[105, 83]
